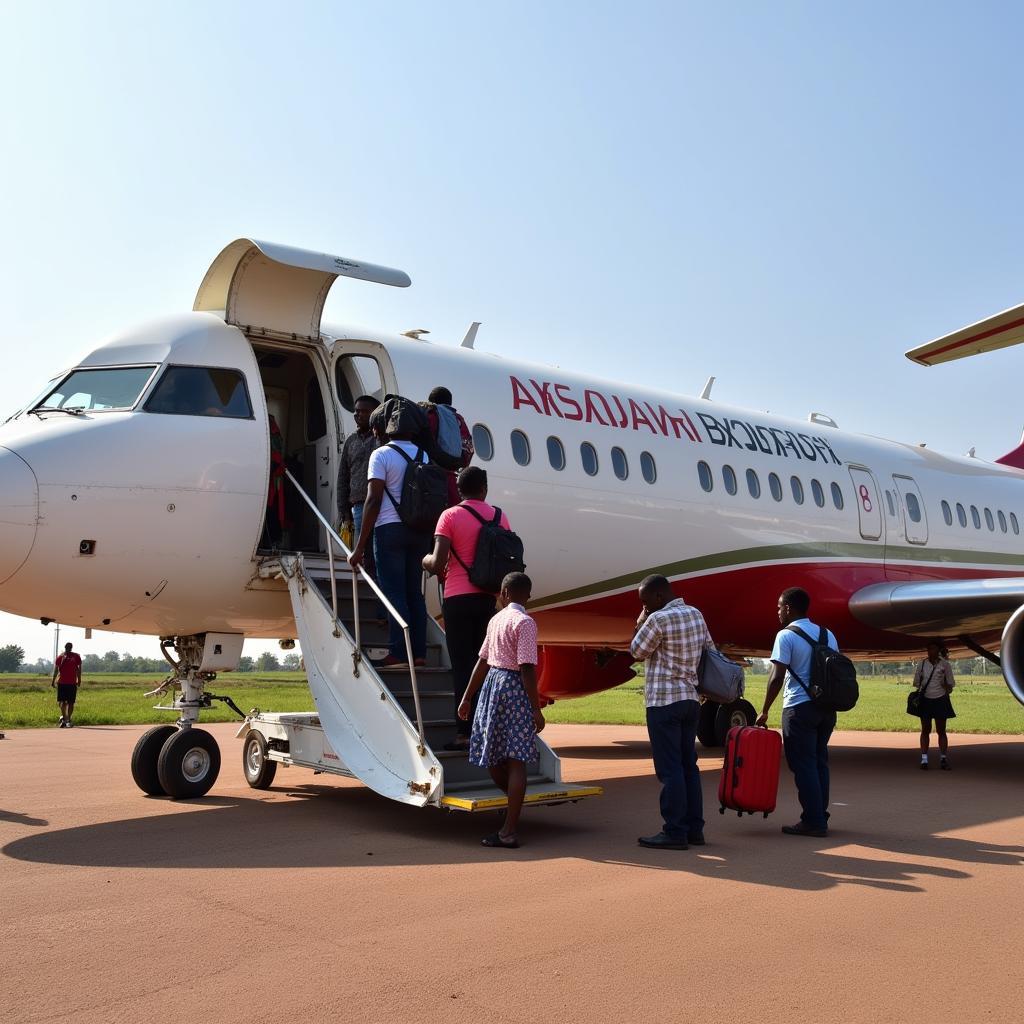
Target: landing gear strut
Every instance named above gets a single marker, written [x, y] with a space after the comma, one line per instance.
[179, 761]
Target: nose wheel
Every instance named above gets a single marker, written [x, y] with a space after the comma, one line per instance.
[180, 763]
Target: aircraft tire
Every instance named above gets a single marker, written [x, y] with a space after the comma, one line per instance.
[259, 770]
[706, 730]
[189, 764]
[739, 712]
[145, 757]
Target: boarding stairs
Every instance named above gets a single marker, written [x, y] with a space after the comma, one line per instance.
[386, 727]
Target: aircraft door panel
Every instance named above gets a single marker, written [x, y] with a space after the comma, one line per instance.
[915, 518]
[869, 507]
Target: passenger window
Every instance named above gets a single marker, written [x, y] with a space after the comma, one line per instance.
[1013, 523]
[556, 453]
[837, 496]
[201, 391]
[116, 387]
[483, 442]
[819, 493]
[520, 448]
[588, 456]
[1002, 521]
[704, 474]
[947, 513]
[648, 468]
[775, 486]
[620, 466]
[975, 517]
[356, 376]
[961, 515]
[989, 521]
[913, 507]
[890, 503]
[753, 484]
[798, 489]
[729, 479]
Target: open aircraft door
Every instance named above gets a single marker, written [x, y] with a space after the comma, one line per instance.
[869, 508]
[275, 294]
[915, 519]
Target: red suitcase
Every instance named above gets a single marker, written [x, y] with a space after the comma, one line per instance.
[750, 775]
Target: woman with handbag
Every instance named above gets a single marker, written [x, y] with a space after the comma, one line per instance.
[929, 700]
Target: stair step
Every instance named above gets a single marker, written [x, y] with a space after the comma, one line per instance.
[490, 798]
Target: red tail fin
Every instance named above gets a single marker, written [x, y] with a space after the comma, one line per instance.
[1014, 458]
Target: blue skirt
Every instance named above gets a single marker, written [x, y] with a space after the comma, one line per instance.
[503, 727]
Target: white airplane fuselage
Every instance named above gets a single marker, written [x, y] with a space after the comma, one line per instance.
[147, 522]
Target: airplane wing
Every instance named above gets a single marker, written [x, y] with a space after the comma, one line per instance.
[998, 331]
[939, 607]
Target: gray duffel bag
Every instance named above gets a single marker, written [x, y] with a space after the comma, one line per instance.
[718, 678]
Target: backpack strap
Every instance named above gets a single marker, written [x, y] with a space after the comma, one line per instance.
[482, 521]
[410, 461]
[821, 641]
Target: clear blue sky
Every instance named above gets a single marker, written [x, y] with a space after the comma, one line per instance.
[787, 196]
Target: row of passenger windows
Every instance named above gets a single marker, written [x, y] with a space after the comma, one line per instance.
[589, 459]
[753, 481]
[990, 520]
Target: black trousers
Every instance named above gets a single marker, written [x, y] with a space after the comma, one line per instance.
[465, 626]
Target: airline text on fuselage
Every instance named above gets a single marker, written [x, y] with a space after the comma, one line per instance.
[624, 413]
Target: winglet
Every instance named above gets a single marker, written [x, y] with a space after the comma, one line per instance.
[999, 331]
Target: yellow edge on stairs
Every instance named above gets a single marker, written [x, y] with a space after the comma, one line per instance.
[539, 796]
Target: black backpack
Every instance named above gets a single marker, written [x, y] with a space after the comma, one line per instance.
[833, 685]
[498, 552]
[424, 493]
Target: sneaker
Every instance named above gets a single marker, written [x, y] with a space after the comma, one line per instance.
[68, 723]
[663, 842]
[390, 663]
[923, 766]
[60, 724]
[944, 765]
[696, 839]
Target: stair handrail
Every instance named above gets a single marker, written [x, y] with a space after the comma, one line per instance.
[334, 538]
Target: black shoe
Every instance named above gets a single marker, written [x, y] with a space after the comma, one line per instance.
[944, 765]
[800, 829]
[696, 839]
[923, 766]
[663, 842]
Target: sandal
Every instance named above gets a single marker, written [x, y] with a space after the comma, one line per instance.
[496, 840]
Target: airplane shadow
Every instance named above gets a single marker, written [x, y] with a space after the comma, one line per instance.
[888, 828]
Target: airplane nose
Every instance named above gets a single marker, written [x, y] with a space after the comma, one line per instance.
[19, 511]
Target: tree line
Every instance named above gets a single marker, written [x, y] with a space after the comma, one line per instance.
[12, 659]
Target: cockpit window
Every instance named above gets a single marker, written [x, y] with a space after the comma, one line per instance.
[110, 387]
[201, 391]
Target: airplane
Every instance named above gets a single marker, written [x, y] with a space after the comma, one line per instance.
[134, 497]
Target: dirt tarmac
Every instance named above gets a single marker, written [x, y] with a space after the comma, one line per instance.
[319, 901]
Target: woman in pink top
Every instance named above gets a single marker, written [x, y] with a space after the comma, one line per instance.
[508, 715]
[467, 609]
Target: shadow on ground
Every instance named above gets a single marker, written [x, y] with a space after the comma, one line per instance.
[889, 822]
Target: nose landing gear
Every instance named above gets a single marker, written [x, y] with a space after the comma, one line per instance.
[180, 761]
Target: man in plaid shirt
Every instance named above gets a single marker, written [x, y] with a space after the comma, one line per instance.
[670, 637]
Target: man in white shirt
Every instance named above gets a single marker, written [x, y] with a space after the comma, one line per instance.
[397, 549]
[806, 728]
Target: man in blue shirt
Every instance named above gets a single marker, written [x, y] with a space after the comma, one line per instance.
[806, 729]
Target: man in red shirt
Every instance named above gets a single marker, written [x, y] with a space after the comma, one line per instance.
[467, 609]
[67, 677]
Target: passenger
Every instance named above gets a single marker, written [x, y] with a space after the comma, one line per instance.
[671, 636]
[934, 680]
[450, 441]
[67, 677]
[806, 728]
[508, 715]
[355, 456]
[398, 549]
[467, 609]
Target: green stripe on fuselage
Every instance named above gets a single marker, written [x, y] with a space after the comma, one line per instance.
[998, 561]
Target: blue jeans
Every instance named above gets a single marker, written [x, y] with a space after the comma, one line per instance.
[673, 732]
[357, 518]
[399, 553]
[805, 734]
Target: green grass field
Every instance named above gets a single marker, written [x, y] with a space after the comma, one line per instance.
[983, 703]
